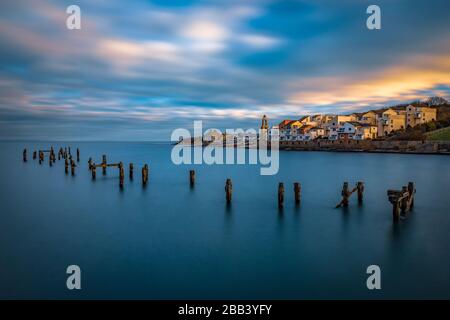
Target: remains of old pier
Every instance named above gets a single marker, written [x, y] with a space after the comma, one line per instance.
[346, 193]
[402, 200]
[93, 167]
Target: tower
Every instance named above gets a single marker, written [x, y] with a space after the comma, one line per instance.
[264, 123]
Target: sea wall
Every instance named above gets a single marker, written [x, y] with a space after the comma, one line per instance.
[435, 147]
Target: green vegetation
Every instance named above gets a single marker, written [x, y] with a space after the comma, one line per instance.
[441, 134]
[426, 131]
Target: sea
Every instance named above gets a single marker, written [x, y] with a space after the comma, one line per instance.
[169, 240]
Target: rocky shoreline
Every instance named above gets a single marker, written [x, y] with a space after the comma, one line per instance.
[385, 146]
[368, 146]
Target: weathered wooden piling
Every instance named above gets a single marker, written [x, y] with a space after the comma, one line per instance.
[280, 195]
[24, 155]
[360, 189]
[41, 156]
[144, 174]
[131, 171]
[52, 154]
[34, 155]
[90, 163]
[346, 193]
[192, 177]
[402, 200]
[121, 174]
[93, 171]
[72, 167]
[69, 151]
[297, 192]
[104, 164]
[50, 160]
[66, 165]
[78, 155]
[228, 190]
[412, 191]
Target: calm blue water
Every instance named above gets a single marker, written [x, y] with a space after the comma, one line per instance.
[172, 242]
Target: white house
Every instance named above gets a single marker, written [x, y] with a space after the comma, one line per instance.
[315, 133]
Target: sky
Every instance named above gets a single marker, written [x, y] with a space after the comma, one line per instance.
[137, 70]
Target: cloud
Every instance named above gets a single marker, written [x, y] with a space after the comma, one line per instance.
[138, 70]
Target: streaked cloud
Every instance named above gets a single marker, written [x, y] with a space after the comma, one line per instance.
[138, 69]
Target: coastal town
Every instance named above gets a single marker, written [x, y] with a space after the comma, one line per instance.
[418, 127]
[369, 125]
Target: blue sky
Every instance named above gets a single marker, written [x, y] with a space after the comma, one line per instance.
[139, 69]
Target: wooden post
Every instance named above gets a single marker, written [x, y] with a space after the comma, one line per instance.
[145, 174]
[34, 155]
[90, 163]
[93, 171]
[50, 160]
[121, 175]
[59, 155]
[400, 201]
[41, 156]
[192, 177]
[24, 155]
[228, 190]
[69, 151]
[72, 167]
[297, 192]
[404, 201]
[412, 191]
[360, 188]
[396, 210]
[344, 194]
[280, 195]
[78, 155]
[52, 154]
[66, 165]
[131, 171]
[104, 164]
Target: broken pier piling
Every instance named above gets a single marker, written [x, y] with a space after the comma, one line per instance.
[228, 190]
[402, 200]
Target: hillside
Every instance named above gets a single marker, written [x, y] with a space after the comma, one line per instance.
[421, 132]
[440, 134]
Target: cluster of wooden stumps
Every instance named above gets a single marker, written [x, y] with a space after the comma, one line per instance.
[62, 153]
[104, 164]
[402, 200]
[346, 194]
[297, 194]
